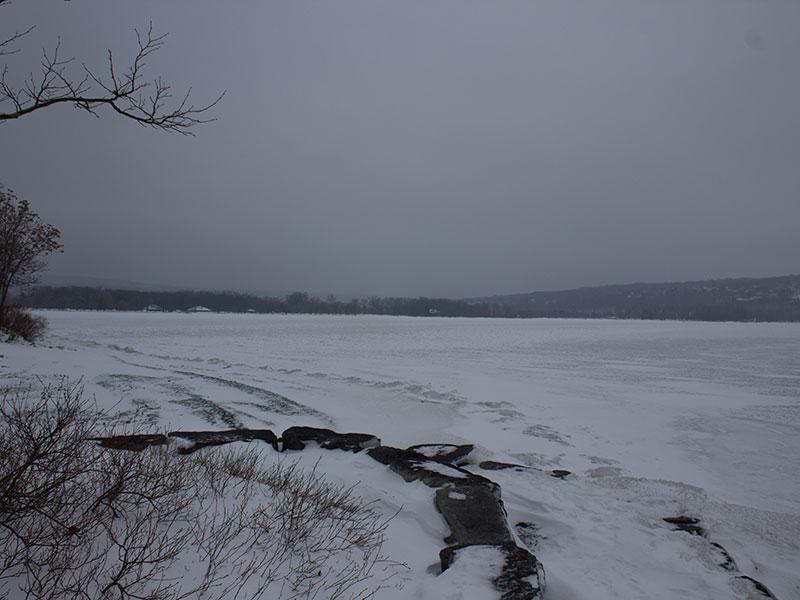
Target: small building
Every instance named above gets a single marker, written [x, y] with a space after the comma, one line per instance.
[198, 309]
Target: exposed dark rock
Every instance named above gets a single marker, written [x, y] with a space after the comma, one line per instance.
[687, 524]
[472, 507]
[413, 466]
[294, 438]
[681, 520]
[760, 587]
[470, 504]
[448, 453]
[493, 465]
[474, 514]
[560, 473]
[203, 439]
[724, 559]
[448, 555]
[199, 439]
[137, 443]
[522, 575]
[473, 510]
[528, 533]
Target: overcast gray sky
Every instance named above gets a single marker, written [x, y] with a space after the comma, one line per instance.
[412, 147]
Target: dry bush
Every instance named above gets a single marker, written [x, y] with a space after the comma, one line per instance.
[81, 522]
[21, 323]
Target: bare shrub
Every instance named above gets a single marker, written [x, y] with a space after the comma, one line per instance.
[21, 323]
[79, 521]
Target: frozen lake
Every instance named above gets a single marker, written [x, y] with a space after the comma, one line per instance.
[704, 414]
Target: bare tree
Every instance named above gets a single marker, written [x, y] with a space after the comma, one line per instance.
[24, 242]
[82, 522]
[126, 91]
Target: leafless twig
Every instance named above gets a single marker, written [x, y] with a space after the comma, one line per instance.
[126, 92]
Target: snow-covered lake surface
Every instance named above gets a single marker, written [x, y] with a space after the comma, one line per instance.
[653, 419]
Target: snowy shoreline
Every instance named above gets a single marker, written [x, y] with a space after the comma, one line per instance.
[45, 311]
[654, 419]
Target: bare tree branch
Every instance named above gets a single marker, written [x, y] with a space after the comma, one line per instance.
[127, 92]
[6, 46]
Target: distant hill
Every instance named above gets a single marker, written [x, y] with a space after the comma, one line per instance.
[745, 299]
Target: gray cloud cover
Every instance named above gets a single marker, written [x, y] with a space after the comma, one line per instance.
[441, 148]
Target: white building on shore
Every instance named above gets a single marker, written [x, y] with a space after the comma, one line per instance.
[199, 309]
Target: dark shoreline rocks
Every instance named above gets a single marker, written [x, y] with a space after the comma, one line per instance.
[294, 438]
[473, 508]
[134, 443]
[493, 465]
[521, 576]
[474, 514]
[687, 524]
[759, 587]
[412, 466]
[203, 439]
[560, 473]
[447, 453]
[471, 504]
[725, 561]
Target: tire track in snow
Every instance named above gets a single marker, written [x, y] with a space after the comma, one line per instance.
[277, 403]
[425, 392]
[274, 402]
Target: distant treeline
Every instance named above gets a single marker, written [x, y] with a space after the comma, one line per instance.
[769, 299]
[87, 298]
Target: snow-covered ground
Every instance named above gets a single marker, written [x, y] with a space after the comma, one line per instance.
[653, 419]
